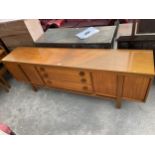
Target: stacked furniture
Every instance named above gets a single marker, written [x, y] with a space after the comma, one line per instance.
[15, 33]
[116, 74]
[141, 36]
[66, 37]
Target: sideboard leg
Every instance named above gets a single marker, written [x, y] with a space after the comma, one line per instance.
[118, 104]
[34, 88]
[120, 81]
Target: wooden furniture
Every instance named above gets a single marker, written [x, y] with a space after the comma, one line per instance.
[2, 44]
[3, 83]
[15, 33]
[65, 37]
[117, 74]
[141, 36]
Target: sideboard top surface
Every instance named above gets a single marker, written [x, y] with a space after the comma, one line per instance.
[128, 61]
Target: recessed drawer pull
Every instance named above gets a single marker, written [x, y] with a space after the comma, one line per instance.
[81, 73]
[45, 75]
[49, 82]
[83, 80]
[85, 88]
[42, 69]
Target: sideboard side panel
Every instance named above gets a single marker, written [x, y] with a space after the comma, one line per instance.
[32, 74]
[16, 71]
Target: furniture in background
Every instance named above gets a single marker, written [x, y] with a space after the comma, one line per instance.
[116, 74]
[2, 44]
[15, 33]
[141, 36]
[3, 83]
[65, 37]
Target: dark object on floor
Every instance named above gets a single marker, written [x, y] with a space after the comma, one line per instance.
[66, 37]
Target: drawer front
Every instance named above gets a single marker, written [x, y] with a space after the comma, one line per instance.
[105, 83]
[136, 87]
[65, 74]
[69, 86]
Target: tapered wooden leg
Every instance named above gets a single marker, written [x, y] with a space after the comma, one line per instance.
[5, 82]
[4, 87]
[118, 104]
[35, 88]
[120, 81]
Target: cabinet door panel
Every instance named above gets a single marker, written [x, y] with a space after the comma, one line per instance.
[16, 71]
[105, 83]
[32, 74]
[135, 87]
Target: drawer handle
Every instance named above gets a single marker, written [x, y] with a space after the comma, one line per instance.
[49, 82]
[45, 75]
[83, 80]
[81, 73]
[85, 88]
[42, 69]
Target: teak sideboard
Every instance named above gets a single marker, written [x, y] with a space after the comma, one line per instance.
[116, 74]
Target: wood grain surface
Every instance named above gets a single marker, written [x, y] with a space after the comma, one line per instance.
[123, 61]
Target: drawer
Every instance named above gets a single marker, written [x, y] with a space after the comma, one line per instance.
[69, 86]
[65, 74]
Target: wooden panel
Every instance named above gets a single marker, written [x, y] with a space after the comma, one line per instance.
[18, 40]
[146, 26]
[69, 86]
[135, 87]
[34, 27]
[12, 27]
[125, 61]
[15, 70]
[15, 33]
[32, 74]
[65, 74]
[105, 83]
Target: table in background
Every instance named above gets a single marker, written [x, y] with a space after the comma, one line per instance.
[65, 37]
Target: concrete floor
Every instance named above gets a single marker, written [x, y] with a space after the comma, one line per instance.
[55, 112]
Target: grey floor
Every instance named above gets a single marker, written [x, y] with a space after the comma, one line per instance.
[55, 112]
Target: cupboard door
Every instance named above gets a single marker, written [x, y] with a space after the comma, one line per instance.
[32, 74]
[16, 71]
[135, 87]
[105, 83]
